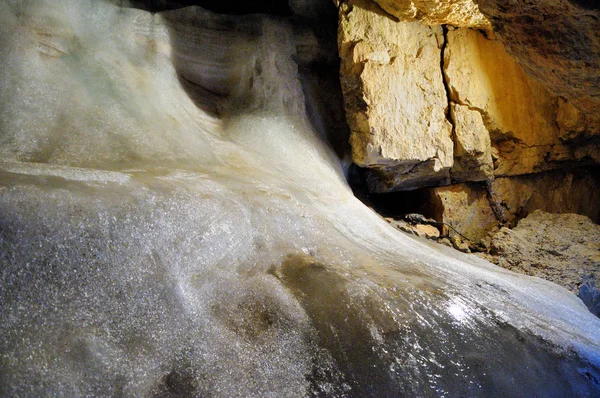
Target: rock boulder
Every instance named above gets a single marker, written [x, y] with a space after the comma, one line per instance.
[562, 248]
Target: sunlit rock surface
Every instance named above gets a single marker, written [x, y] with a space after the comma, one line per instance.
[464, 13]
[464, 207]
[518, 112]
[172, 224]
[557, 42]
[395, 98]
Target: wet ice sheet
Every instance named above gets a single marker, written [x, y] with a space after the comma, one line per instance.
[169, 237]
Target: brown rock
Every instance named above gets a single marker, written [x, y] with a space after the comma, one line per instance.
[459, 245]
[556, 192]
[555, 41]
[562, 248]
[531, 130]
[575, 125]
[427, 231]
[465, 207]
[505, 123]
[445, 242]
[394, 97]
[401, 225]
[463, 13]
[472, 147]
[518, 112]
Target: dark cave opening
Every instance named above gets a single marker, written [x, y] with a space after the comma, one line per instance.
[391, 204]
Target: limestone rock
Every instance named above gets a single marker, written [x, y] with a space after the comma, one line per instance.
[556, 41]
[472, 147]
[575, 125]
[445, 242]
[475, 211]
[459, 245]
[421, 230]
[431, 172]
[395, 98]
[465, 207]
[401, 225]
[427, 231]
[463, 13]
[523, 118]
[562, 248]
[555, 192]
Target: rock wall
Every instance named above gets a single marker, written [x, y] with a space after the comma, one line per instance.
[477, 210]
[556, 41]
[394, 97]
[435, 98]
[521, 117]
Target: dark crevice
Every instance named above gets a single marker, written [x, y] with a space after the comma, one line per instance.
[495, 203]
[444, 77]
[447, 90]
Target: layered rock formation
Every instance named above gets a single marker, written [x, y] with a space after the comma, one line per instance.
[453, 105]
[556, 41]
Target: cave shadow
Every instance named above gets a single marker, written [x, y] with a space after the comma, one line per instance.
[206, 45]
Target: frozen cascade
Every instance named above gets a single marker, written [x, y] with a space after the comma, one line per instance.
[171, 224]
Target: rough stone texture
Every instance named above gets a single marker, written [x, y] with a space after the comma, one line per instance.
[466, 208]
[475, 210]
[395, 98]
[472, 147]
[555, 41]
[459, 245]
[504, 121]
[427, 231]
[575, 125]
[562, 248]
[463, 13]
[421, 230]
[517, 111]
[555, 192]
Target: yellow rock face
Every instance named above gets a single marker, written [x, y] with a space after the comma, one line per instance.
[463, 13]
[400, 96]
[482, 76]
[519, 113]
[466, 208]
[556, 41]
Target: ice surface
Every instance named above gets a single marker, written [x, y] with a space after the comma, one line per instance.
[171, 225]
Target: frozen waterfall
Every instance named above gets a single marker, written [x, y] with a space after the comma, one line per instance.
[173, 224]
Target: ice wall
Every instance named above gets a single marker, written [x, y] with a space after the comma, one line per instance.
[171, 225]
